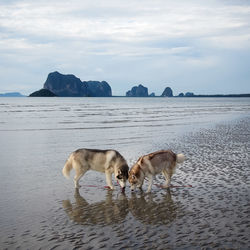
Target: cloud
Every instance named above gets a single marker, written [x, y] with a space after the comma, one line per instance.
[121, 21]
[101, 39]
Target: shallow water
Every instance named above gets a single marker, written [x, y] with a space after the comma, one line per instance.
[41, 209]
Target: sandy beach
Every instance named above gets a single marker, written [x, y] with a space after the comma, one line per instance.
[212, 214]
[40, 209]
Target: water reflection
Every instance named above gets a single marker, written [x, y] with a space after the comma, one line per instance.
[104, 212]
[153, 209]
[146, 208]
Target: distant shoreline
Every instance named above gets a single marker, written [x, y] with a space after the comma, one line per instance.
[193, 96]
[217, 95]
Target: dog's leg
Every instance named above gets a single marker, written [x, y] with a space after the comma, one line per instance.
[150, 179]
[109, 179]
[167, 177]
[140, 186]
[79, 173]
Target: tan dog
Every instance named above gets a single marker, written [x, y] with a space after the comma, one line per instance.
[163, 161]
[105, 161]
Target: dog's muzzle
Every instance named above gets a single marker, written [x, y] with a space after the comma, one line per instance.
[122, 183]
[133, 187]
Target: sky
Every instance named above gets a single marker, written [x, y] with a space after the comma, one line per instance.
[196, 46]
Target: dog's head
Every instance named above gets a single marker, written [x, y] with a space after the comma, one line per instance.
[122, 176]
[135, 177]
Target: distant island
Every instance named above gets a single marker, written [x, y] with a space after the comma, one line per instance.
[190, 94]
[141, 91]
[12, 94]
[138, 91]
[61, 85]
[42, 93]
[168, 92]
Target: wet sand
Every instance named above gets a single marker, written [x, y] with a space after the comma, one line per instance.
[212, 214]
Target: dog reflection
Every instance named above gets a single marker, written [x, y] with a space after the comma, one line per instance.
[150, 209]
[146, 208]
[104, 212]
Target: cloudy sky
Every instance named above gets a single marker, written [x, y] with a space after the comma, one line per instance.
[198, 46]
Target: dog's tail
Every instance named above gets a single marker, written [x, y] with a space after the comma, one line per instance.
[180, 158]
[67, 168]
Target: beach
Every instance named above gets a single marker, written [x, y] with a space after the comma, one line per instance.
[40, 209]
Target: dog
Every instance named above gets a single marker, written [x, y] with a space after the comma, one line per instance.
[163, 161]
[105, 161]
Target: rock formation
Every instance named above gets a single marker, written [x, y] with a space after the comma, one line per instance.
[71, 86]
[65, 85]
[42, 93]
[189, 94]
[138, 91]
[100, 89]
[167, 92]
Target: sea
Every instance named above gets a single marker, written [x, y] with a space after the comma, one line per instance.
[40, 209]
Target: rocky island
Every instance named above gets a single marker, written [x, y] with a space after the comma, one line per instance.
[137, 91]
[11, 94]
[71, 86]
[168, 92]
[42, 93]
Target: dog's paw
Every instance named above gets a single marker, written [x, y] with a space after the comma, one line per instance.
[111, 187]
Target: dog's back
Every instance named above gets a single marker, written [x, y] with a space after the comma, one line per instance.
[163, 156]
[94, 159]
[158, 161]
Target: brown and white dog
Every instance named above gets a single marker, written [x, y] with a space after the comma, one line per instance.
[163, 161]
